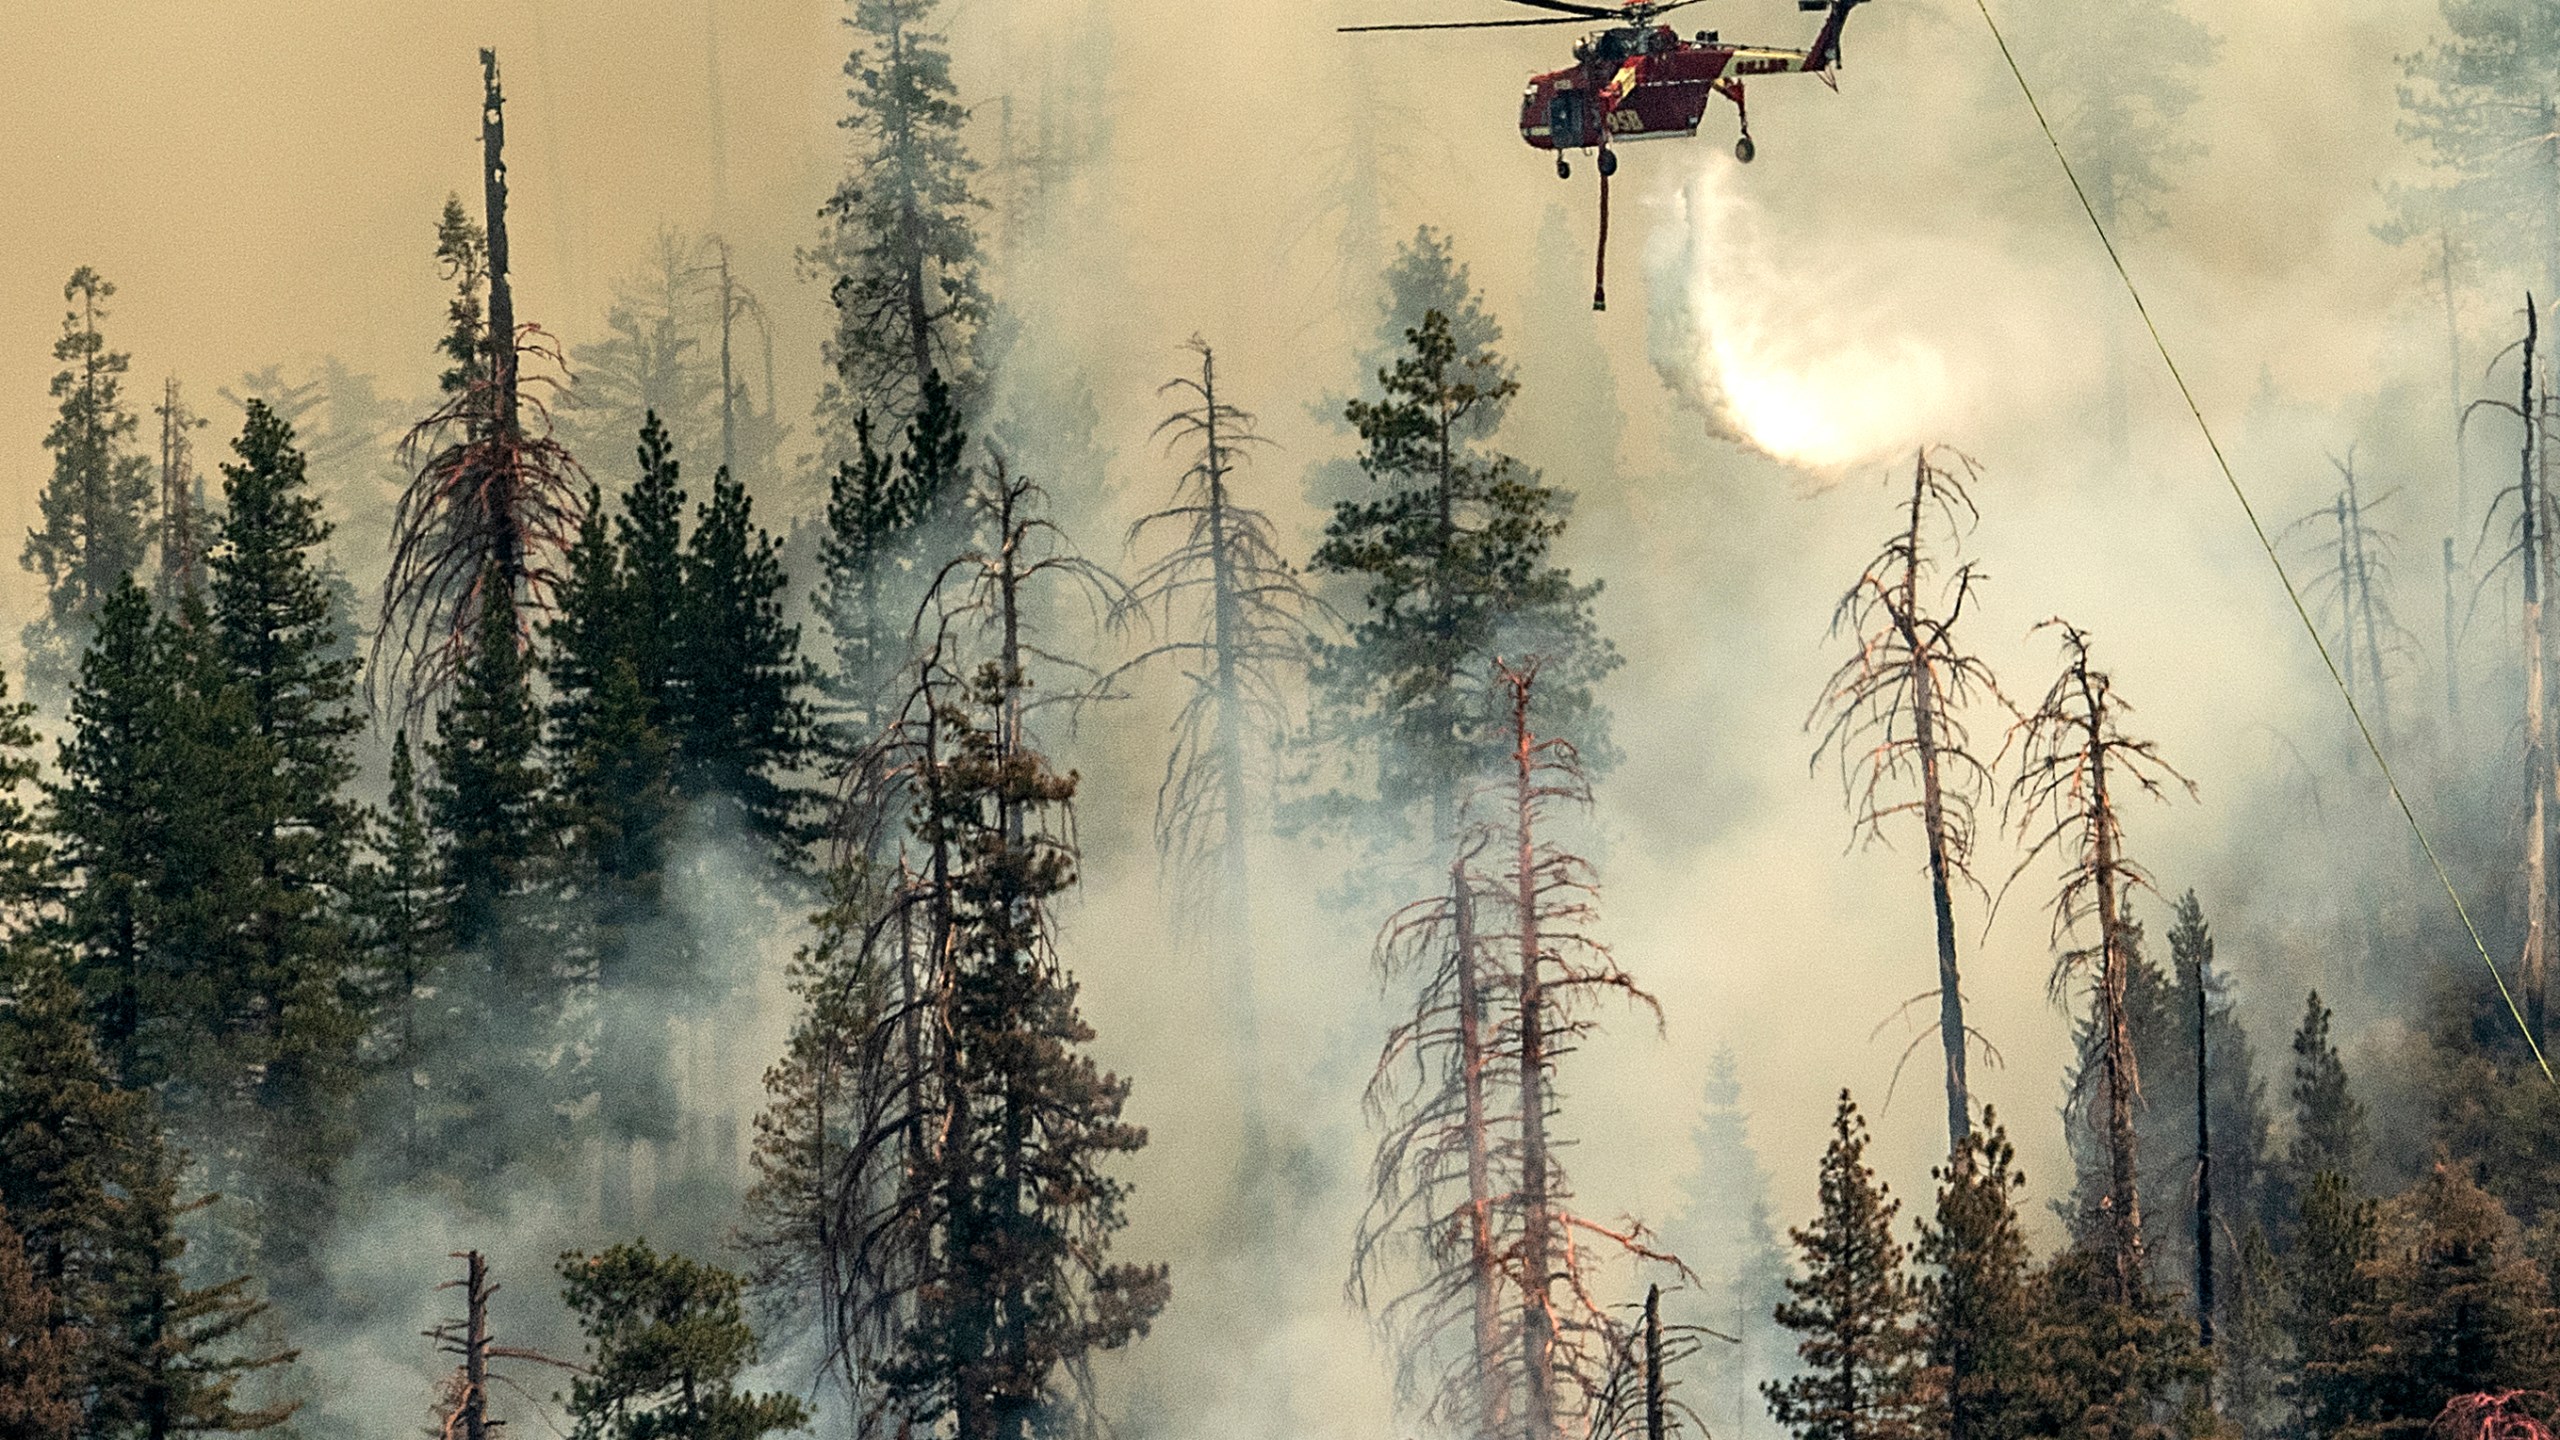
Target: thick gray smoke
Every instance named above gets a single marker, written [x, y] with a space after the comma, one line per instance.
[1901, 265]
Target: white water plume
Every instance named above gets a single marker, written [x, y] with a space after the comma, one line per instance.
[1789, 345]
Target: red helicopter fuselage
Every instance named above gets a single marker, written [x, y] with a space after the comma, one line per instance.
[1646, 83]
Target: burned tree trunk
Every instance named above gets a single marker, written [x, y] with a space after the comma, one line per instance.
[2536, 960]
[1538, 1238]
[506, 545]
[2204, 1167]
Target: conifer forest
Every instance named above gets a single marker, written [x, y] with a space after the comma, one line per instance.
[1007, 720]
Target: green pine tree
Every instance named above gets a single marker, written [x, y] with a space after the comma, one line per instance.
[741, 726]
[2329, 1131]
[169, 1357]
[97, 507]
[667, 1339]
[900, 248]
[1451, 560]
[2329, 1290]
[108, 820]
[400, 906]
[1855, 1307]
[1973, 1305]
[488, 810]
[300, 1022]
[891, 524]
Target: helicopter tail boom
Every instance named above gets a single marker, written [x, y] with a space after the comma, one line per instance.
[1825, 53]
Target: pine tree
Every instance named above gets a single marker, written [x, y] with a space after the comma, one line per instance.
[275, 633]
[2483, 105]
[1854, 1306]
[741, 726]
[485, 802]
[667, 1338]
[1452, 564]
[1238, 620]
[108, 819]
[1425, 275]
[2455, 1307]
[65, 1130]
[2328, 1121]
[493, 830]
[168, 1355]
[2108, 1367]
[2330, 1291]
[891, 524]
[1974, 1304]
[653, 364]
[945, 1276]
[1725, 1231]
[38, 1391]
[27, 870]
[97, 507]
[2077, 765]
[400, 904]
[900, 249]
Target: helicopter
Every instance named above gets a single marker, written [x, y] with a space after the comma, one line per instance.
[1639, 80]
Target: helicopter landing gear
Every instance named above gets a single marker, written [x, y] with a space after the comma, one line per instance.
[1743, 149]
[1564, 168]
[1608, 162]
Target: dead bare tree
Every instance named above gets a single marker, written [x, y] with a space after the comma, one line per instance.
[462, 1407]
[2075, 765]
[1892, 716]
[1467, 1190]
[1234, 615]
[493, 498]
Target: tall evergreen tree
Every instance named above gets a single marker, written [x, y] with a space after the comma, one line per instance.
[108, 814]
[489, 812]
[891, 521]
[97, 506]
[66, 1128]
[2109, 1366]
[1452, 563]
[1725, 1231]
[1975, 1309]
[400, 905]
[958, 1209]
[900, 249]
[1425, 275]
[275, 632]
[2329, 1131]
[1855, 1307]
[741, 726]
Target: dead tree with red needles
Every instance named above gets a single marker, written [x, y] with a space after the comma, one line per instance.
[1892, 717]
[493, 497]
[2076, 764]
[1470, 1208]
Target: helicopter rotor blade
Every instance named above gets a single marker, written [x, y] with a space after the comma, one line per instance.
[1571, 7]
[1466, 25]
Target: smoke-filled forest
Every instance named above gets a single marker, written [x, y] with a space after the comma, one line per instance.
[1005, 719]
